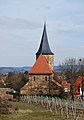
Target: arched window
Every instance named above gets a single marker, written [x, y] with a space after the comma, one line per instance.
[46, 78]
[34, 78]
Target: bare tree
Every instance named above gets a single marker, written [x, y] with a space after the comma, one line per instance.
[16, 80]
[70, 69]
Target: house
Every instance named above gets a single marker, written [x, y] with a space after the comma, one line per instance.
[4, 94]
[4, 90]
[65, 85]
[78, 84]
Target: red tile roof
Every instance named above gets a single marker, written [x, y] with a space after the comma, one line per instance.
[55, 82]
[77, 83]
[41, 66]
[65, 84]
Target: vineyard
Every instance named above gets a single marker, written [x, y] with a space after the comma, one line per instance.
[68, 109]
[41, 108]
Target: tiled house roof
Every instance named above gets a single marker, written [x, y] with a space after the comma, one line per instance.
[56, 83]
[77, 83]
[41, 66]
[65, 84]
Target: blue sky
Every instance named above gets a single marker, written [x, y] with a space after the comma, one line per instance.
[21, 25]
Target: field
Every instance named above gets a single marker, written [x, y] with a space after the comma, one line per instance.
[25, 111]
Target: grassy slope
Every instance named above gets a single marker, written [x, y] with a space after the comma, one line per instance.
[30, 112]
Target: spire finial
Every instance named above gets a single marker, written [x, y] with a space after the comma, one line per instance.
[44, 21]
[45, 26]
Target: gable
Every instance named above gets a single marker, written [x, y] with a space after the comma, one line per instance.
[41, 66]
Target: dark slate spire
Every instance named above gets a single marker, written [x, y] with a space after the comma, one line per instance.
[44, 45]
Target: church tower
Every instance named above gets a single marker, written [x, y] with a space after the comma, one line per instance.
[44, 49]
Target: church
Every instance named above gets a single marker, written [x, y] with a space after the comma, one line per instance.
[41, 74]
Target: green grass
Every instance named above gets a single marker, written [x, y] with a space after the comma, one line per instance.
[30, 112]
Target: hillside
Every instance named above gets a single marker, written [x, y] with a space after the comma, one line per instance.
[4, 70]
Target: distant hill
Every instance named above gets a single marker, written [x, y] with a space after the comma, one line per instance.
[4, 70]
[56, 68]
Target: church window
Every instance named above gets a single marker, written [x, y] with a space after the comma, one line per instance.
[46, 78]
[34, 78]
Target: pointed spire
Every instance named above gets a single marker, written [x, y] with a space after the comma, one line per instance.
[44, 46]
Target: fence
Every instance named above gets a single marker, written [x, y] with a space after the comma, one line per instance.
[70, 109]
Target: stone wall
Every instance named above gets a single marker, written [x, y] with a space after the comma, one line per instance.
[4, 90]
[24, 89]
[39, 84]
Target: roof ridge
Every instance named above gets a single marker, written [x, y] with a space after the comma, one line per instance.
[57, 83]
